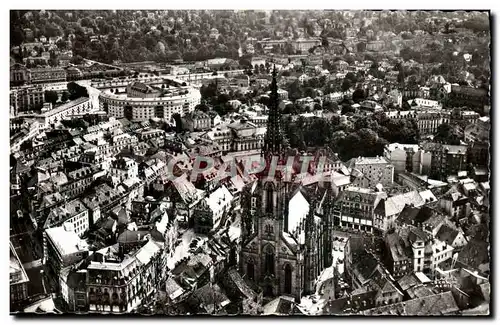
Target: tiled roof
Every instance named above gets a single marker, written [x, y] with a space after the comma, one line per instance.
[435, 305]
[408, 281]
[395, 204]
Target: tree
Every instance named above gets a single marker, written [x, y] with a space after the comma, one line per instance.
[330, 106]
[202, 107]
[77, 59]
[51, 96]
[358, 95]
[289, 109]
[309, 92]
[76, 91]
[349, 59]
[16, 36]
[346, 108]
[64, 96]
[160, 48]
[352, 77]
[446, 134]
[346, 85]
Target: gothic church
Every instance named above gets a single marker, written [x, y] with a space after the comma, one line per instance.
[286, 226]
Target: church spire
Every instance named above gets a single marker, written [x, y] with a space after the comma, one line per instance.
[274, 141]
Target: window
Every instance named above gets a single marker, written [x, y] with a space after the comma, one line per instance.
[269, 260]
[288, 279]
[269, 199]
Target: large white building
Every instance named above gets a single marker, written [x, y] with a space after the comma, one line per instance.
[49, 115]
[169, 101]
[63, 247]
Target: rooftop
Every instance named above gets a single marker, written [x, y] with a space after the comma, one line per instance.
[66, 241]
[66, 106]
[66, 211]
[370, 161]
[435, 305]
[393, 146]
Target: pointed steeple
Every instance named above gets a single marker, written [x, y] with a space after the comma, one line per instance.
[275, 142]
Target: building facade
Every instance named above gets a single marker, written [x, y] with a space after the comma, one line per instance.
[408, 157]
[355, 208]
[27, 98]
[44, 75]
[119, 283]
[375, 170]
[181, 100]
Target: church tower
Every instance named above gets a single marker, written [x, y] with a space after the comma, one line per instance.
[275, 142]
[282, 245]
[265, 257]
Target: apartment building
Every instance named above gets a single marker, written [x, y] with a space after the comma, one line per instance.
[374, 170]
[408, 157]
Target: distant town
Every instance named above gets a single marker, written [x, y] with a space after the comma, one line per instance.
[250, 162]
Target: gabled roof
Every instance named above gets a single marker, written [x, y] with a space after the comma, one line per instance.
[236, 279]
[395, 204]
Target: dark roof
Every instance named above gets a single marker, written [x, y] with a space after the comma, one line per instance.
[76, 280]
[485, 290]
[447, 234]
[414, 216]
[280, 306]
[129, 236]
[108, 224]
[356, 244]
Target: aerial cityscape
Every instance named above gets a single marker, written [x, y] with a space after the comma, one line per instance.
[250, 162]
